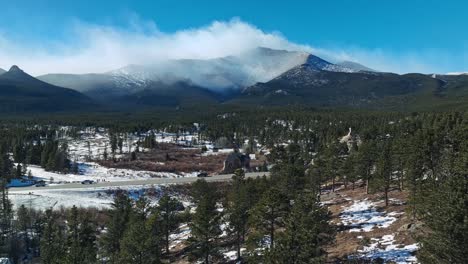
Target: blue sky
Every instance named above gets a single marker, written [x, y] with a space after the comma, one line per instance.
[400, 36]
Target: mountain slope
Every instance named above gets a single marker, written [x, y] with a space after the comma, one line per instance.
[355, 66]
[20, 92]
[231, 72]
[170, 95]
[305, 85]
[2, 71]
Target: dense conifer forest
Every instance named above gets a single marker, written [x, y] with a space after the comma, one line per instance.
[275, 219]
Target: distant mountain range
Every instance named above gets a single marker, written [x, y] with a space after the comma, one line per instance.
[218, 75]
[258, 77]
[20, 92]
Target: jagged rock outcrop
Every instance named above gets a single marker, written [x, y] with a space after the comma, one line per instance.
[236, 160]
[351, 140]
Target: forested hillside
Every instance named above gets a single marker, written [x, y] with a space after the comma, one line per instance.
[288, 217]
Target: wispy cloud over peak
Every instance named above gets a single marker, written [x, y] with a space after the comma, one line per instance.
[101, 48]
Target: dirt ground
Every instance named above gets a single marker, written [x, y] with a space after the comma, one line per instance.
[348, 243]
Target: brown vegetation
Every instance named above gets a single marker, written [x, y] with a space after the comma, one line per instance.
[169, 158]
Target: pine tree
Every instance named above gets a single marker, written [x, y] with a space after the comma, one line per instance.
[384, 170]
[205, 223]
[398, 160]
[167, 208]
[23, 225]
[119, 217]
[332, 162]
[238, 209]
[365, 162]
[447, 216]
[138, 244]
[307, 232]
[414, 173]
[268, 215]
[316, 173]
[81, 239]
[52, 240]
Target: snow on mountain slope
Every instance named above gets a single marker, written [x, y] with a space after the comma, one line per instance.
[355, 66]
[457, 73]
[217, 74]
[257, 65]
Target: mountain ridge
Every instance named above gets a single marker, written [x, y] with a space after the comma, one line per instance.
[309, 80]
[21, 92]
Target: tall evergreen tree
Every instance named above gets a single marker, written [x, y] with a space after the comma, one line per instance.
[268, 215]
[119, 217]
[53, 250]
[167, 209]
[384, 170]
[447, 216]
[365, 162]
[307, 232]
[205, 223]
[238, 209]
[139, 245]
[81, 238]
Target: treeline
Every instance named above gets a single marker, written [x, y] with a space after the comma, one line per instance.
[40, 147]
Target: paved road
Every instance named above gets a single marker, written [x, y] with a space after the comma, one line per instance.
[152, 181]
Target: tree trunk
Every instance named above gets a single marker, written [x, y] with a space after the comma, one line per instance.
[238, 246]
[367, 186]
[272, 234]
[167, 241]
[401, 182]
[333, 184]
[167, 230]
[386, 196]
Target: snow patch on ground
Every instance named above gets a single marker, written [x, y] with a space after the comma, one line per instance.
[98, 197]
[385, 248]
[231, 255]
[180, 236]
[96, 172]
[362, 216]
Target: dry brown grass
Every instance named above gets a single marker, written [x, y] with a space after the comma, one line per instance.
[348, 243]
[170, 158]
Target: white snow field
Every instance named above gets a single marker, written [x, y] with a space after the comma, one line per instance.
[362, 216]
[97, 197]
[385, 248]
[180, 236]
[96, 172]
[91, 144]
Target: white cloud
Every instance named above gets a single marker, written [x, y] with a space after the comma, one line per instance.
[96, 48]
[99, 48]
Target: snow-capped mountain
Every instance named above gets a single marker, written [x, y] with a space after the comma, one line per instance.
[2, 71]
[355, 66]
[457, 73]
[231, 72]
[258, 65]
[315, 63]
